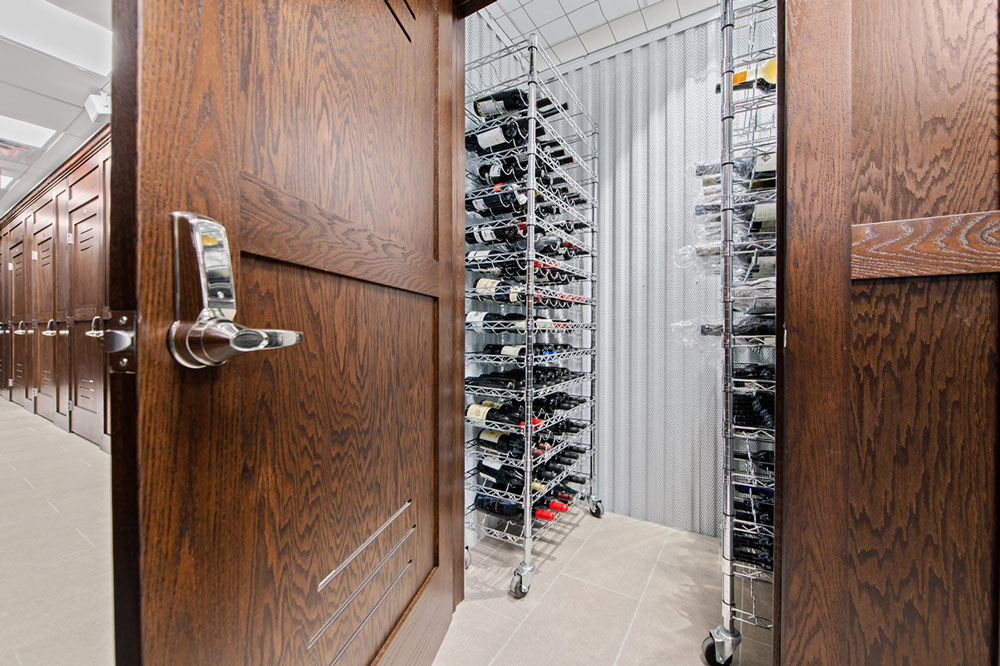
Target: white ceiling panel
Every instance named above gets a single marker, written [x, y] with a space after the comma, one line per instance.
[593, 24]
[35, 108]
[95, 11]
[40, 85]
[46, 75]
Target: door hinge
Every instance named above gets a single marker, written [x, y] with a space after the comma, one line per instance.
[34, 393]
[34, 255]
[119, 341]
[10, 383]
[10, 265]
[69, 239]
[69, 406]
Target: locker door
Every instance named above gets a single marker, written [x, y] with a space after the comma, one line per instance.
[5, 336]
[86, 272]
[62, 289]
[43, 261]
[20, 318]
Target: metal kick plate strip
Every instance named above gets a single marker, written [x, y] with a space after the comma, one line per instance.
[350, 558]
[364, 583]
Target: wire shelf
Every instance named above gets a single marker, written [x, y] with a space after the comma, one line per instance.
[553, 357]
[543, 425]
[512, 294]
[520, 394]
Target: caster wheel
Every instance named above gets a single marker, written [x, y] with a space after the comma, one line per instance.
[517, 590]
[708, 647]
[597, 509]
[468, 557]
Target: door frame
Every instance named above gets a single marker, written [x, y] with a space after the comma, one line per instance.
[124, 253]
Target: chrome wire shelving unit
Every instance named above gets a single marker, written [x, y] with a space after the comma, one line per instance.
[531, 297]
[747, 206]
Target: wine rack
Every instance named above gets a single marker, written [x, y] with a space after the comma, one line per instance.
[531, 299]
[747, 205]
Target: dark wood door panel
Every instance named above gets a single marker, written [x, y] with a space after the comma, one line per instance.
[43, 261]
[23, 333]
[922, 555]
[351, 145]
[85, 184]
[87, 390]
[925, 121]
[87, 262]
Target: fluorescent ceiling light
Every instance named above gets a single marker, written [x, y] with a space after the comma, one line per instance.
[19, 131]
[44, 27]
[4, 182]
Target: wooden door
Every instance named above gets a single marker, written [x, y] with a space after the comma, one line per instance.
[890, 495]
[302, 505]
[43, 262]
[86, 298]
[19, 267]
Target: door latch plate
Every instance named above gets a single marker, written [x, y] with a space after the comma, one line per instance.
[119, 342]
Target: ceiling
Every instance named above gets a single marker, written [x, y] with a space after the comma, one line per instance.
[53, 55]
[574, 28]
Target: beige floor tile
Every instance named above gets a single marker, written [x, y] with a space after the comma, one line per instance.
[476, 635]
[574, 623]
[488, 582]
[753, 653]
[55, 546]
[680, 606]
[619, 555]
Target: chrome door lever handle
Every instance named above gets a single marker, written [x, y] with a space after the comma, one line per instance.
[210, 337]
[95, 329]
[20, 330]
[50, 329]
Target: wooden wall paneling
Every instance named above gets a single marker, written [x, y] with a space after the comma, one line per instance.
[817, 217]
[20, 272]
[43, 289]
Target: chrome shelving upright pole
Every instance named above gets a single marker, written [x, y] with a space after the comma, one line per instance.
[526, 569]
[727, 635]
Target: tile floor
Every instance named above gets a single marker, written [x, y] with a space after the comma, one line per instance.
[608, 592]
[615, 591]
[55, 545]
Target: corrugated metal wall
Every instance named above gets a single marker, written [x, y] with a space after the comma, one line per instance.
[659, 385]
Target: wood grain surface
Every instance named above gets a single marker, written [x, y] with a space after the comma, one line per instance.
[949, 245]
[922, 553]
[315, 139]
[314, 237]
[817, 312]
[925, 111]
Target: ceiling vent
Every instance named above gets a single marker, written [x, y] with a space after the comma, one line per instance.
[13, 151]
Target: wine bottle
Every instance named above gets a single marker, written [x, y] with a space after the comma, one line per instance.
[505, 136]
[482, 412]
[504, 102]
[499, 200]
[507, 509]
[763, 77]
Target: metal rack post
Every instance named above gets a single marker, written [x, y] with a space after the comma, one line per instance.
[748, 135]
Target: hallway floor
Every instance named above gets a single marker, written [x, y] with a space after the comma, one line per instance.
[55, 545]
[608, 592]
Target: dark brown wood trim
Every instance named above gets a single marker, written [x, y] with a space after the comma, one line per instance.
[89, 148]
[358, 252]
[122, 247]
[816, 358]
[946, 245]
[465, 7]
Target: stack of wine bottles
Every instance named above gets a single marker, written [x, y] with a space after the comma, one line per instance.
[530, 296]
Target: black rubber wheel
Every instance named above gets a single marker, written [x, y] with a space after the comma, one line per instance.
[597, 510]
[468, 557]
[517, 590]
[708, 647]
